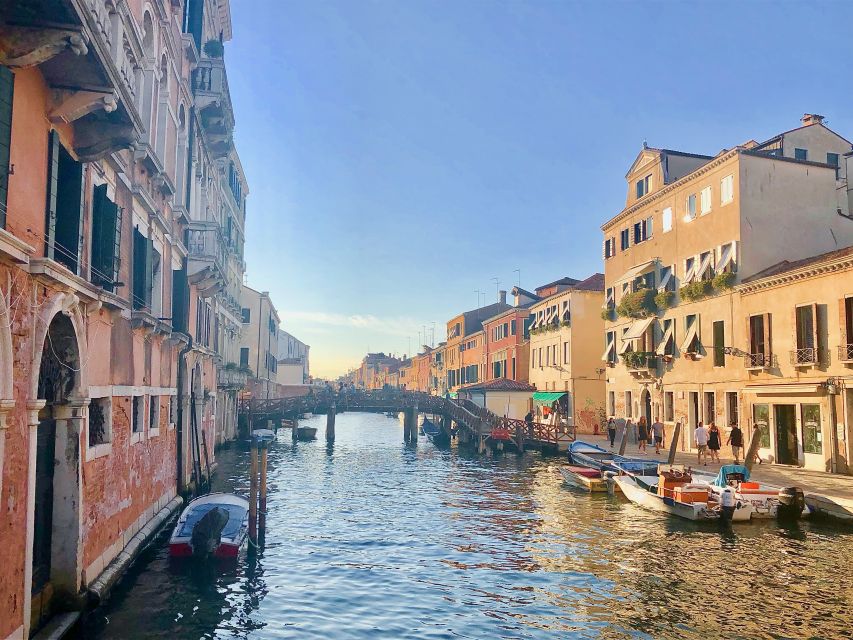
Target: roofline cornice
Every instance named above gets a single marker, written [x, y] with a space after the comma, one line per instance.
[705, 168]
[803, 273]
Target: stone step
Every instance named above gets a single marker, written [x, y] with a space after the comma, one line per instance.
[58, 626]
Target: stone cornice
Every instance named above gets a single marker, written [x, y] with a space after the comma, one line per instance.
[809, 271]
[657, 195]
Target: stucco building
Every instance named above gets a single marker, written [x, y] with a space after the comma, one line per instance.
[694, 227]
[259, 340]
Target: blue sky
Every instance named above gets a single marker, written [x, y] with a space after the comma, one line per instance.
[401, 154]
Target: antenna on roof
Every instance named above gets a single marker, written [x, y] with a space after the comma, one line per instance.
[645, 144]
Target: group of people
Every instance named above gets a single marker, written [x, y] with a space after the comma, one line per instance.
[708, 439]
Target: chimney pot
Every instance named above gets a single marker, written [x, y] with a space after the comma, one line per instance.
[502, 296]
[811, 118]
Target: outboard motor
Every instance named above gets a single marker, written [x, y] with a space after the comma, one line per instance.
[727, 505]
[207, 532]
[792, 502]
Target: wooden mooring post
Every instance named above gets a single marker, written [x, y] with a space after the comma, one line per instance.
[519, 437]
[330, 424]
[262, 509]
[253, 492]
[754, 446]
[673, 444]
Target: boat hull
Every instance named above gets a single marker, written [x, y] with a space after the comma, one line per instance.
[306, 433]
[576, 477]
[645, 498]
[233, 537]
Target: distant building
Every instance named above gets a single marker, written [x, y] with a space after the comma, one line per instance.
[465, 333]
[292, 355]
[259, 339]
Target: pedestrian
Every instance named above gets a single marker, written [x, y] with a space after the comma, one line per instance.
[642, 435]
[611, 431]
[714, 442]
[658, 433]
[528, 421]
[700, 436]
[736, 440]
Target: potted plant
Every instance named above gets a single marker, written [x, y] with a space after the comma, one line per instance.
[695, 290]
[663, 299]
[724, 280]
[638, 304]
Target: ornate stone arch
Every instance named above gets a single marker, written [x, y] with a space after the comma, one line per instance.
[68, 304]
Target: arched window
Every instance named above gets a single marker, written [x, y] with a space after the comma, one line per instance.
[148, 33]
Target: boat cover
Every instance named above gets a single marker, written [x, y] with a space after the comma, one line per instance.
[730, 469]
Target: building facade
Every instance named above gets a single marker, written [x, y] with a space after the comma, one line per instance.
[693, 228]
[504, 335]
[259, 340]
[296, 353]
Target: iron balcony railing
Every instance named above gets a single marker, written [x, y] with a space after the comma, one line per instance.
[207, 243]
[845, 353]
[232, 378]
[805, 356]
[757, 360]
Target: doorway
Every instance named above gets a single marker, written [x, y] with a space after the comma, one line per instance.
[692, 415]
[646, 405]
[787, 447]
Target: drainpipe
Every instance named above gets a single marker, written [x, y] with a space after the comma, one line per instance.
[180, 426]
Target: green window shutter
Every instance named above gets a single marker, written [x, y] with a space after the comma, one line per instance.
[52, 188]
[139, 249]
[149, 271]
[106, 235]
[116, 243]
[7, 87]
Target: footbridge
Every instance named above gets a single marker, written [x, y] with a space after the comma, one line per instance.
[462, 417]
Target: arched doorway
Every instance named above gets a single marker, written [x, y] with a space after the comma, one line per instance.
[56, 496]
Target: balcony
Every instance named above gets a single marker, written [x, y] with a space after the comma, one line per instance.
[845, 353]
[230, 377]
[96, 80]
[213, 100]
[207, 258]
[640, 361]
[806, 357]
[757, 361]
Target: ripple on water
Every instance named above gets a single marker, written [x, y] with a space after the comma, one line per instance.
[373, 539]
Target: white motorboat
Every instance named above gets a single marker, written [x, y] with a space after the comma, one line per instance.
[760, 499]
[213, 525]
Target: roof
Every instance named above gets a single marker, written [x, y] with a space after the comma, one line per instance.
[499, 384]
[802, 126]
[519, 308]
[594, 283]
[788, 265]
[474, 318]
[566, 280]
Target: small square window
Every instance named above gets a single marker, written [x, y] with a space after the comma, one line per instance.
[100, 421]
[667, 219]
[801, 154]
[832, 159]
[154, 414]
[137, 414]
[690, 207]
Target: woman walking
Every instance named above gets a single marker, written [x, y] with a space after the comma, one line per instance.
[642, 434]
[611, 430]
[714, 442]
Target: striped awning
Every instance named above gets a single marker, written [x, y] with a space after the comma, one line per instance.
[547, 397]
[635, 272]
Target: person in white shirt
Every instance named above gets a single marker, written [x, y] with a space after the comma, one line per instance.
[700, 435]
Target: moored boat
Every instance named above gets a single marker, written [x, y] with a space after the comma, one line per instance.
[213, 525]
[429, 428]
[584, 478]
[690, 502]
[306, 433]
[585, 454]
[761, 499]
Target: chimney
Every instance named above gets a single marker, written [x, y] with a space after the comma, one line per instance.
[502, 296]
[811, 118]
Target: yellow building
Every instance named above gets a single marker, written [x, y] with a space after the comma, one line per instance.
[693, 227]
[565, 335]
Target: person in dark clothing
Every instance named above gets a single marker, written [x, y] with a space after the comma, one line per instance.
[611, 431]
[528, 420]
[736, 440]
[714, 442]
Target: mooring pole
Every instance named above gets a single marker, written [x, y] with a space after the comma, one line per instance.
[673, 445]
[253, 492]
[262, 510]
[330, 424]
[624, 442]
[519, 437]
[413, 430]
[754, 445]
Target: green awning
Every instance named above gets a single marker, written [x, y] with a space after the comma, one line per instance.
[547, 397]
[453, 394]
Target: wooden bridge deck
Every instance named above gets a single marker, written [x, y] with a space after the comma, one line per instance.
[480, 423]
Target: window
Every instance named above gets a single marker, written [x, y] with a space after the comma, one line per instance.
[644, 186]
[710, 408]
[727, 189]
[666, 220]
[272, 325]
[246, 314]
[143, 270]
[64, 202]
[689, 270]
[173, 411]
[719, 331]
[512, 327]
[609, 248]
[832, 159]
[801, 154]
[759, 341]
[609, 298]
[705, 200]
[666, 347]
[106, 239]
[812, 435]
[154, 415]
[808, 349]
[731, 407]
[667, 282]
[643, 230]
[625, 239]
[611, 403]
[244, 356]
[668, 406]
[846, 307]
[690, 207]
[180, 300]
[7, 87]
[100, 421]
[565, 353]
[761, 419]
[609, 347]
[691, 342]
[137, 419]
[629, 405]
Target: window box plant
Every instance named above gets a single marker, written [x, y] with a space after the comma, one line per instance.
[695, 290]
[664, 299]
[638, 304]
[724, 280]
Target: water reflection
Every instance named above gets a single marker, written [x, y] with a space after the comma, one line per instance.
[370, 538]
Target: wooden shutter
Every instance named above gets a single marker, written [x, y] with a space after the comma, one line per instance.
[139, 249]
[52, 188]
[179, 300]
[768, 348]
[7, 86]
[817, 334]
[843, 321]
[149, 271]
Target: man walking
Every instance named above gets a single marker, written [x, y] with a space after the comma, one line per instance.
[658, 433]
[736, 440]
[700, 436]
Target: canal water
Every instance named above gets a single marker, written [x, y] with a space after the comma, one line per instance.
[370, 538]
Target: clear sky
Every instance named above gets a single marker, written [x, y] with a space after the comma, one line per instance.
[400, 154]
